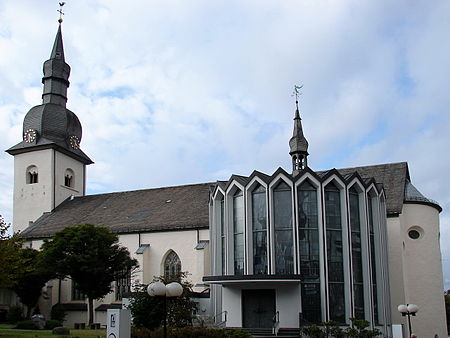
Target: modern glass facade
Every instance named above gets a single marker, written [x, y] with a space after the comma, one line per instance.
[259, 230]
[335, 253]
[238, 232]
[309, 252]
[305, 228]
[358, 282]
[284, 255]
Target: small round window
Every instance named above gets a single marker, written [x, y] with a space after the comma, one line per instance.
[415, 232]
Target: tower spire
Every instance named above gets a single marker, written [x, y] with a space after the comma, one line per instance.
[56, 71]
[298, 143]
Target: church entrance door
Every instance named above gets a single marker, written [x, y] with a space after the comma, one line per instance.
[258, 308]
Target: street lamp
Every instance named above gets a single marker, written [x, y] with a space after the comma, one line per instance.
[171, 290]
[408, 310]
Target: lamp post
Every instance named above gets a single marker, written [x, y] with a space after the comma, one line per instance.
[171, 290]
[408, 310]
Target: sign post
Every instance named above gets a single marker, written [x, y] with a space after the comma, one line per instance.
[118, 323]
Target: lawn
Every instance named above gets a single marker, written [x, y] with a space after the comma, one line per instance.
[7, 331]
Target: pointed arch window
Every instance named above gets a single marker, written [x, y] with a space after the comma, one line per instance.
[32, 175]
[172, 266]
[335, 257]
[282, 209]
[222, 235]
[238, 232]
[259, 230]
[355, 225]
[308, 229]
[372, 221]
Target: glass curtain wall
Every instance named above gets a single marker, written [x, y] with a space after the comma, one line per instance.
[372, 258]
[308, 229]
[259, 229]
[284, 260]
[358, 282]
[238, 232]
[335, 261]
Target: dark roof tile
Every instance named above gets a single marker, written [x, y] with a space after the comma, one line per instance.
[170, 208]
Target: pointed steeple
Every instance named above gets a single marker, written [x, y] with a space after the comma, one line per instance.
[298, 142]
[56, 74]
[51, 124]
[58, 48]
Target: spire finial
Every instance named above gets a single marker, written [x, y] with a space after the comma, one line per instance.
[61, 13]
[297, 93]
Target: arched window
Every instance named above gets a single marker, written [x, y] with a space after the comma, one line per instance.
[32, 175]
[282, 214]
[69, 178]
[259, 229]
[172, 266]
[335, 256]
[308, 230]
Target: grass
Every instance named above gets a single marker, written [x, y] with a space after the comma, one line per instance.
[7, 330]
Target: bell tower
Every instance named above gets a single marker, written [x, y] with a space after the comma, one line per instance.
[49, 165]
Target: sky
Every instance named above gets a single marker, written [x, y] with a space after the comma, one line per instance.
[176, 92]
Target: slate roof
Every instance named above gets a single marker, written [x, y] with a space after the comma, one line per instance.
[393, 177]
[186, 207]
[170, 208]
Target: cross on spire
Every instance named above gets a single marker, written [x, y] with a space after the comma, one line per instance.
[297, 93]
[61, 13]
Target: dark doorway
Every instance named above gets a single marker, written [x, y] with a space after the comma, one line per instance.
[258, 308]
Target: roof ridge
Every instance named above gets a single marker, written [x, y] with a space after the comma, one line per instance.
[147, 189]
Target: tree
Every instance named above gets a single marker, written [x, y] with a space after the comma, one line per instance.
[12, 263]
[148, 311]
[90, 256]
[447, 308]
[29, 283]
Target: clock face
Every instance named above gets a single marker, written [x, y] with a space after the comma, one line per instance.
[74, 142]
[29, 135]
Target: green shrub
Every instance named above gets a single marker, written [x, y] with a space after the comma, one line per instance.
[51, 324]
[58, 313]
[237, 333]
[15, 314]
[25, 325]
[148, 311]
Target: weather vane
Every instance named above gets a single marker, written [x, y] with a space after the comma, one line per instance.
[61, 13]
[296, 93]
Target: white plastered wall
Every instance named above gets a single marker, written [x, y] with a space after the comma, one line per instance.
[63, 162]
[284, 295]
[150, 265]
[422, 270]
[32, 200]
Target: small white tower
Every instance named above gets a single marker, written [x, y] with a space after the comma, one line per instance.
[49, 165]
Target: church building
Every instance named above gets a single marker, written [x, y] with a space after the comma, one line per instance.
[273, 251]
